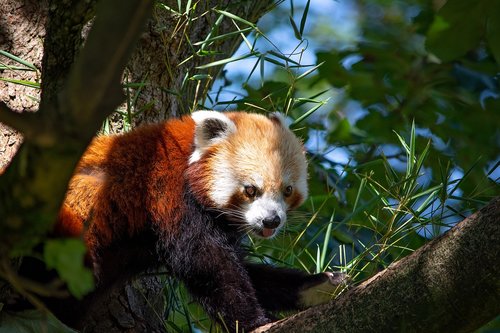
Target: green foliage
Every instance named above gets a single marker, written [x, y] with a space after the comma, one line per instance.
[471, 21]
[66, 257]
[26, 65]
[396, 80]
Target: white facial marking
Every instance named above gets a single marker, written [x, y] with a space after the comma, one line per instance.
[264, 154]
[265, 207]
[258, 181]
[301, 187]
[195, 156]
[225, 184]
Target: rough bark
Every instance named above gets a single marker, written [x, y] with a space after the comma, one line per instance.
[451, 284]
[22, 31]
[137, 307]
[34, 185]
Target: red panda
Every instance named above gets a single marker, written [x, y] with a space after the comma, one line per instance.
[182, 194]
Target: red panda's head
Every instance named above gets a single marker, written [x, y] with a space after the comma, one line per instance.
[249, 167]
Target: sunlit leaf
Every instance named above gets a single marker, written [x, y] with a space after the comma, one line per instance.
[66, 256]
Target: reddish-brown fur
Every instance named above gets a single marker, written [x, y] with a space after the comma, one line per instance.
[69, 224]
[134, 170]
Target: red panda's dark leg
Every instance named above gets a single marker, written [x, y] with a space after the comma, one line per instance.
[206, 260]
[281, 289]
[216, 279]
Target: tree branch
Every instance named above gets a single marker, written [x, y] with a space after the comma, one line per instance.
[103, 78]
[63, 42]
[449, 285]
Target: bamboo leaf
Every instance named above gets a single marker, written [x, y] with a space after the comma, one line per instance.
[237, 18]
[309, 71]
[281, 56]
[296, 31]
[225, 61]
[26, 83]
[326, 242]
[309, 112]
[14, 68]
[188, 7]
[18, 60]
[304, 17]
[207, 41]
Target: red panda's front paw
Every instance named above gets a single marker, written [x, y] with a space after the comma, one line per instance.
[338, 279]
[256, 324]
[327, 285]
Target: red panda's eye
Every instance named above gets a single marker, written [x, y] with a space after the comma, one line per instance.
[250, 191]
[288, 191]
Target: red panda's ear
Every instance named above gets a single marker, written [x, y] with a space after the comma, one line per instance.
[278, 118]
[210, 127]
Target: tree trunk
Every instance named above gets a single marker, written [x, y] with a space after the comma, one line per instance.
[451, 284]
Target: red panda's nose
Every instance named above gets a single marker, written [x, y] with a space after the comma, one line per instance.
[271, 222]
